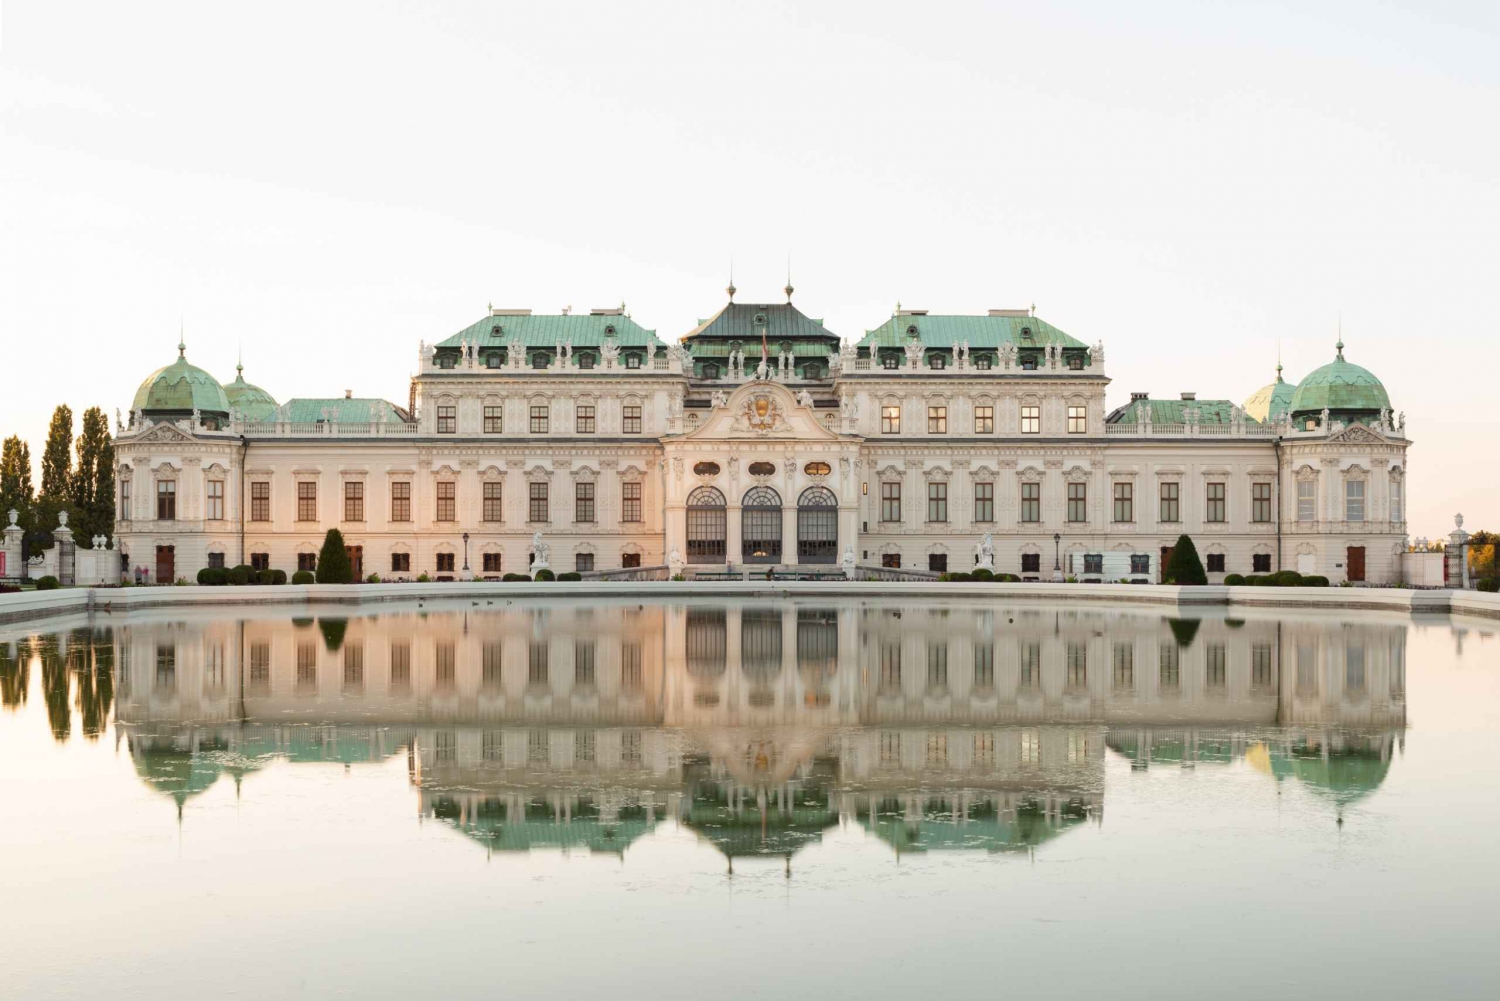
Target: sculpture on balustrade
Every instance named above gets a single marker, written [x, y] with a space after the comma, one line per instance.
[835, 363]
[540, 551]
[914, 354]
[804, 399]
[848, 561]
[609, 351]
[1324, 422]
[984, 552]
[719, 399]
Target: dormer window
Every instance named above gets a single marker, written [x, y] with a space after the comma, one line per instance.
[632, 361]
[585, 361]
[982, 362]
[890, 362]
[539, 360]
[1028, 364]
[492, 360]
[812, 370]
[445, 361]
[710, 371]
[1075, 362]
[937, 361]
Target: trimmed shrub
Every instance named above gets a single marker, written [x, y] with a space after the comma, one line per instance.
[10, 589]
[47, 583]
[333, 561]
[213, 576]
[983, 573]
[1185, 567]
[266, 577]
[422, 578]
[278, 577]
[961, 576]
[1234, 580]
[239, 576]
[945, 576]
[515, 578]
[1314, 580]
[303, 577]
[545, 574]
[1007, 578]
[1489, 585]
[1255, 580]
[1285, 578]
[570, 575]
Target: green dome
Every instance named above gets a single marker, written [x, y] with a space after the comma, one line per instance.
[253, 403]
[1272, 401]
[1340, 387]
[181, 388]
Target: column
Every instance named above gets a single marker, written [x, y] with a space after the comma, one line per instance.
[789, 531]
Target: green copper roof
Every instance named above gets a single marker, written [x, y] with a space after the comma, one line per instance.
[748, 322]
[253, 403]
[1340, 387]
[1171, 412]
[343, 410]
[980, 331]
[181, 387]
[1272, 401]
[548, 330]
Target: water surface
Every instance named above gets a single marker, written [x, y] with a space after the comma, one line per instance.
[747, 799]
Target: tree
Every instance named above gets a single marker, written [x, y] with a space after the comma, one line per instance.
[1185, 567]
[15, 480]
[333, 561]
[57, 459]
[94, 479]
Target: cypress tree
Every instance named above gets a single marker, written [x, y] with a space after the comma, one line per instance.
[333, 561]
[1185, 567]
[15, 481]
[94, 479]
[57, 459]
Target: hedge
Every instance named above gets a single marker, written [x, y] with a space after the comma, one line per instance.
[303, 577]
[1007, 578]
[570, 575]
[1315, 581]
[213, 576]
[515, 578]
[983, 573]
[47, 583]
[1234, 580]
[545, 574]
[1489, 585]
[240, 576]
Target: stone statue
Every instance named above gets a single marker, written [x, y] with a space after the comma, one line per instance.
[541, 551]
[762, 368]
[515, 353]
[674, 405]
[118, 425]
[804, 399]
[848, 562]
[610, 351]
[1401, 423]
[846, 407]
[1096, 353]
[914, 354]
[674, 560]
[719, 399]
[1325, 418]
[984, 553]
[197, 419]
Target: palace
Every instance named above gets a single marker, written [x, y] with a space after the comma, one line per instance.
[761, 439]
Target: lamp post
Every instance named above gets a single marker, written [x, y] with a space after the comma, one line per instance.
[1057, 557]
[466, 552]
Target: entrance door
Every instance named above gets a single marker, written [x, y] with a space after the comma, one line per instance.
[166, 565]
[1356, 563]
[356, 556]
[1166, 557]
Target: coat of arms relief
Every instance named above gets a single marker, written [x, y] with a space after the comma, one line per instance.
[761, 414]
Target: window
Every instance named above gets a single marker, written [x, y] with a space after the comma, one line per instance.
[1260, 665]
[937, 361]
[1078, 420]
[583, 502]
[632, 675]
[631, 423]
[214, 507]
[216, 561]
[712, 468]
[1078, 501]
[710, 371]
[585, 361]
[1396, 498]
[490, 562]
[890, 420]
[890, 502]
[632, 361]
[1028, 363]
[492, 663]
[1307, 500]
[982, 362]
[354, 666]
[538, 498]
[937, 420]
[494, 419]
[540, 360]
[1125, 502]
[583, 420]
[984, 502]
[401, 502]
[446, 671]
[445, 562]
[307, 501]
[536, 663]
[1259, 563]
[307, 667]
[354, 501]
[1260, 502]
[446, 361]
[308, 562]
[492, 360]
[583, 562]
[984, 419]
[1031, 502]
[890, 361]
[1075, 362]
[539, 419]
[937, 502]
[400, 562]
[124, 494]
[1093, 562]
[630, 560]
[1031, 562]
[1031, 419]
[447, 492]
[630, 502]
[447, 417]
[817, 469]
[1215, 511]
[1140, 563]
[756, 468]
[1215, 562]
[260, 561]
[492, 502]
[937, 661]
[1354, 500]
[166, 500]
[1171, 509]
[891, 561]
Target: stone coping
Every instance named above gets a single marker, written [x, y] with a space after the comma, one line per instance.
[41, 604]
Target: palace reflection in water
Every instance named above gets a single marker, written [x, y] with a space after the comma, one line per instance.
[757, 726]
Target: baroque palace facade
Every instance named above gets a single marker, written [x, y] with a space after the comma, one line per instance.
[758, 439]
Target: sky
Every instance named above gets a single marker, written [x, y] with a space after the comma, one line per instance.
[320, 187]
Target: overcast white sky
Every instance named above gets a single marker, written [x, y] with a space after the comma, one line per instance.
[327, 184]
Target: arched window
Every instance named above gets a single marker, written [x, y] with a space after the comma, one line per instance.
[585, 360]
[539, 360]
[760, 523]
[706, 521]
[632, 360]
[890, 361]
[817, 526]
[705, 638]
[710, 370]
[937, 361]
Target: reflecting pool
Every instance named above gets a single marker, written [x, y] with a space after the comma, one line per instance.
[748, 798]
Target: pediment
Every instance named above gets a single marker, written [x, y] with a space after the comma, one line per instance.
[164, 432]
[1358, 434]
[762, 411]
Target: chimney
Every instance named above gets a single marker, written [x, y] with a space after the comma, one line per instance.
[348, 394]
[1138, 397]
[1189, 396]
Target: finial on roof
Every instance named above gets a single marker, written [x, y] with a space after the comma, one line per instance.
[1033, 309]
[898, 308]
[181, 338]
[1340, 347]
[730, 287]
[788, 290]
[1278, 372]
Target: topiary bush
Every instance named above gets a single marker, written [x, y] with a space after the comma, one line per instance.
[266, 577]
[304, 577]
[1314, 580]
[961, 576]
[545, 574]
[278, 577]
[1489, 585]
[1185, 567]
[1007, 578]
[239, 576]
[570, 575]
[333, 560]
[1234, 580]
[1285, 578]
[515, 577]
[1254, 580]
[983, 573]
[213, 576]
[47, 583]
